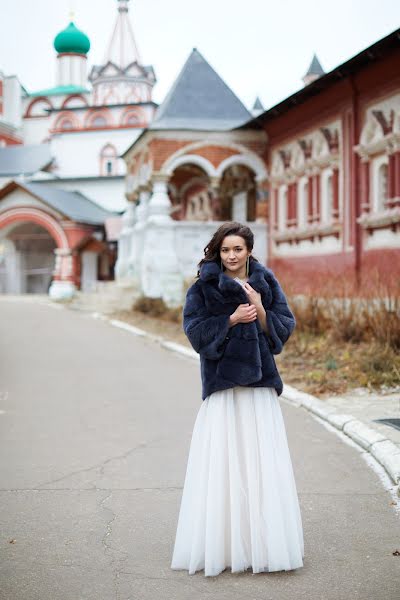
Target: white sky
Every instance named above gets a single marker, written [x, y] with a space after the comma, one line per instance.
[259, 47]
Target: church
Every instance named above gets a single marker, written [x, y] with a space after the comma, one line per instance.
[100, 185]
[62, 177]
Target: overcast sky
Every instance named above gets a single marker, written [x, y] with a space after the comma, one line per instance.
[259, 47]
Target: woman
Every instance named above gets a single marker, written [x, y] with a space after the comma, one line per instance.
[239, 503]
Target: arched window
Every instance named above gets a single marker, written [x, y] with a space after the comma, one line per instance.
[132, 120]
[382, 186]
[108, 160]
[66, 124]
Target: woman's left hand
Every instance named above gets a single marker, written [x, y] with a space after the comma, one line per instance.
[254, 297]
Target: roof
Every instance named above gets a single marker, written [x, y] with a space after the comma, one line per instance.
[61, 90]
[373, 53]
[73, 205]
[315, 67]
[24, 160]
[71, 39]
[199, 99]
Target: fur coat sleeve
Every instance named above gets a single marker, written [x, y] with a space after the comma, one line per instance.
[280, 319]
[205, 332]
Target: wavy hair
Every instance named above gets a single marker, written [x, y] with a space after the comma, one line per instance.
[212, 249]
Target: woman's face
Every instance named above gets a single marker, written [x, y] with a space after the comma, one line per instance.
[234, 253]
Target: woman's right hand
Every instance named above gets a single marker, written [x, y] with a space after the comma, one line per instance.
[245, 313]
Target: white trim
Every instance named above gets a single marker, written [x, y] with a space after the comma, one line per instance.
[250, 160]
[175, 161]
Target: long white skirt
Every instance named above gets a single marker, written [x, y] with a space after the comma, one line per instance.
[239, 504]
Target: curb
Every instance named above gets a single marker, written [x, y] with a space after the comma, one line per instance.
[383, 450]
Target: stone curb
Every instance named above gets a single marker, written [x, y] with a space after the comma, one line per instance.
[382, 449]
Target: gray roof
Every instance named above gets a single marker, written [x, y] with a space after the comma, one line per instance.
[74, 205]
[200, 99]
[24, 160]
[315, 67]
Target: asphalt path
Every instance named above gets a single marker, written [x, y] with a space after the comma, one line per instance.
[95, 427]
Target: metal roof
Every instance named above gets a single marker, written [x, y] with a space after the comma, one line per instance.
[60, 90]
[199, 99]
[73, 205]
[24, 160]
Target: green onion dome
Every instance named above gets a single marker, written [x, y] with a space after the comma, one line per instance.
[71, 39]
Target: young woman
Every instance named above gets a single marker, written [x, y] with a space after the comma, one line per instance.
[239, 504]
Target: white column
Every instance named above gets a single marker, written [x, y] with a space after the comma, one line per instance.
[62, 288]
[160, 272]
[124, 244]
[136, 254]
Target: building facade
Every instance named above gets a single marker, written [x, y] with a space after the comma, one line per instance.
[68, 138]
[333, 161]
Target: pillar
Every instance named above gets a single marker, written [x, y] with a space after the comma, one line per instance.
[215, 199]
[63, 287]
[161, 275]
[136, 256]
[122, 270]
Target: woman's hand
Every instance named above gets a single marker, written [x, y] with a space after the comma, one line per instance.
[254, 297]
[245, 313]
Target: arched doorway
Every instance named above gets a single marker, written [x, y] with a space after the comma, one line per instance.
[27, 259]
[190, 194]
[238, 194]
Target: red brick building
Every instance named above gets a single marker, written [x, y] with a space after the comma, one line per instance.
[333, 159]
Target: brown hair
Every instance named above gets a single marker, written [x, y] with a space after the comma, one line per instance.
[212, 250]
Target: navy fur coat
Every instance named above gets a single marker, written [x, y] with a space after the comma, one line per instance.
[241, 355]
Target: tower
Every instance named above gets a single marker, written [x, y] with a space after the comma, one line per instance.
[315, 71]
[122, 78]
[72, 46]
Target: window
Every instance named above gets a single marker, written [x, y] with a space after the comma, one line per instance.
[66, 124]
[302, 200]
[98, 122]
[382, 186]
[282, 207]
[108, 160]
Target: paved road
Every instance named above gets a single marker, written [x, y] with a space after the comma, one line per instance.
[95, 431]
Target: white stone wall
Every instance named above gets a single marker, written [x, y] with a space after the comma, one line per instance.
[78, 153]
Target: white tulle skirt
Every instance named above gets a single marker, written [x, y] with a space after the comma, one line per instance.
[239, 505]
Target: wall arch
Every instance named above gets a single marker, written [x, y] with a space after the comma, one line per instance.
[34, 107]
[251, 160]
[175, 161]
[21, 214]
